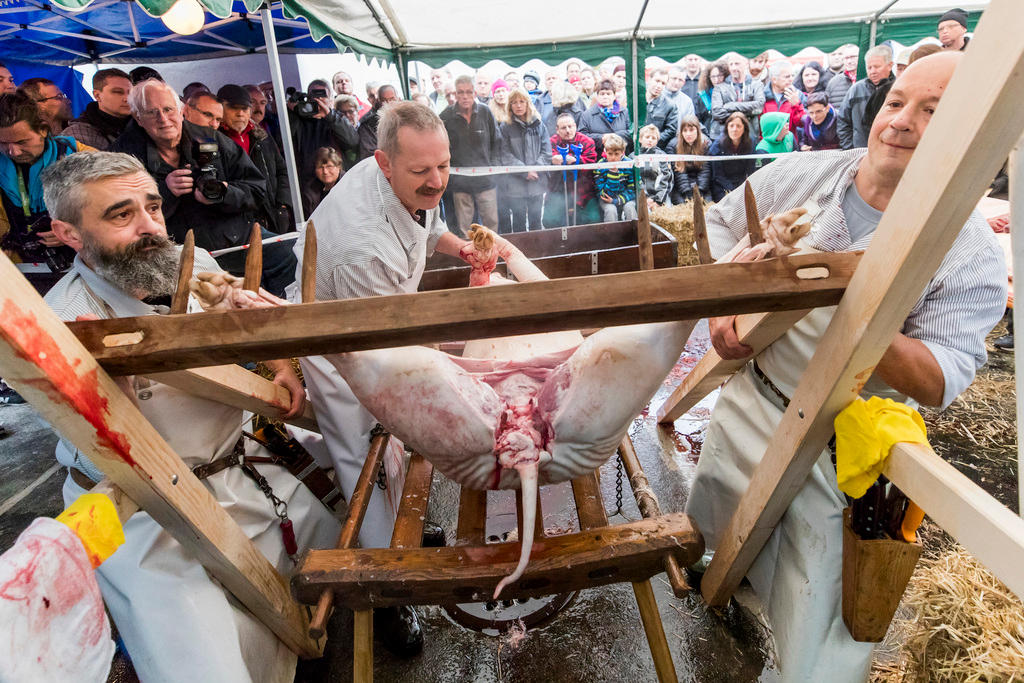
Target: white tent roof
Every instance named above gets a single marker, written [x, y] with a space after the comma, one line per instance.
[471, 23]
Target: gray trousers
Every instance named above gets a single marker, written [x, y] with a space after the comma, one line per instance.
[467, 204]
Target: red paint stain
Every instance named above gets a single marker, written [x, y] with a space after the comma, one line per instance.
[62, 383]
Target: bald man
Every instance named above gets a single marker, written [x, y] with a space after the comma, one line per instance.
[798, 573]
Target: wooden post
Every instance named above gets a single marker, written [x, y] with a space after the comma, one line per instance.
[362, 655]
[753, 222]
[179, 302]
[1016, 177]
[700, 229]
[44, 362]
[254, 260]
[643, 231]
[948, 172]
[309, 252]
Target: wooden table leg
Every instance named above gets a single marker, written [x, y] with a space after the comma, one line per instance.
[655, 630]
[362, 646]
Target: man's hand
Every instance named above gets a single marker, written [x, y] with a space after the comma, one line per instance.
[792, 94]
[49, 238]
[201, 198]
[570, 159]
[531, 175]
[556, 159]
[179, 181]
[805, 148]
[724, 339]
[284, 376]
[605, 198]
[323, 109]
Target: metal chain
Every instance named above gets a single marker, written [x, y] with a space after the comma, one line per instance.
[382, 478]
[280, 507]
[618, 489]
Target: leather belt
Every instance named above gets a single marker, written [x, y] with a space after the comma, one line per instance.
[230, 460]
[80, 478]
[768, 388]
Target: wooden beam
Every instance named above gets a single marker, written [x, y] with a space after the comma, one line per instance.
[700, 230]
[179, 302]
[235, 386]
[178, 342]
[643, 231]
[753, 222]
[254, 260]
[947, 173]
[44, 362]
[362, 578]
[979, 522]
[309, 253]
[756, 330]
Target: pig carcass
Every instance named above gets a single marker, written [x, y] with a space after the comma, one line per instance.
[512, 412]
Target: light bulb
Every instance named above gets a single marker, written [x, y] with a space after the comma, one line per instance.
[185, 17]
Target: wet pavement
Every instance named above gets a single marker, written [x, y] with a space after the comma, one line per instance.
[597, 637]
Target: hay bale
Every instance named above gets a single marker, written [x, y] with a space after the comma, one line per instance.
[678, 220]
[957, 623]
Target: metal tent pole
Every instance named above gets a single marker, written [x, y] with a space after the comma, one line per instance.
[1016, 175]
[282, 113]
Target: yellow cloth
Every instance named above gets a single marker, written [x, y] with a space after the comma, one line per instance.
[94, 520]
[865, 432]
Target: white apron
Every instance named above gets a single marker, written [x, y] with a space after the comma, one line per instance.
[798, 573]
[346, 424]
[177, 623]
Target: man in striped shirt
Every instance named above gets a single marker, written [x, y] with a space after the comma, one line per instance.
[374, 231]
[798, 572]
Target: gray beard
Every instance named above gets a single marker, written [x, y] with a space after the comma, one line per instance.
[137, 272]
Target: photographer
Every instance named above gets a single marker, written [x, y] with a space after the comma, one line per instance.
[207, 182]
[26, 148]
[316, 124]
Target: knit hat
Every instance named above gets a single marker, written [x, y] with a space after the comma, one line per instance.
[498, 84]
[958, 15]
[574, 79]
[235, 96]
[531, 76]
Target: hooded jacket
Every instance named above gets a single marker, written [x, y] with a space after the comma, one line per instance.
[818, 137]
[781, 104]
[773, 125]
[524, 144]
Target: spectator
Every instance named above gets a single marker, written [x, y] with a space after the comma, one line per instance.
[684, 105]
[473, 137]
[690, 174]
[222, 208]
[952, 30]
[267, 88]
[661, 112]
[564, 100]
[386, 94]
[713, 74]
[902, 61]
[817, 129]
[7, 86]
[781, 95]
[619, 79]
[573, 67]
[738, 93]
[482, 84]
[524, 142]
[513, 80]
[371, 93]
[54, 106]
[811, 78]
[204, 109]
[851, 125]
[237, 124]
[414, 87]
[144, 73]
[531, 84]
[588, 86]
[840, 84]
[420, 98]
[439, 78]
[570, 197]
[327, 171]
[775, 136]
[657, 176]
[543, 101]
[877, 98]
[614, 186]
[26, 148]
[103, 120]
[192, 89]
[835, 65]
[261, 117]
[499, 101]
[691, 77]
[348, 107]
[324, 127]
[757, 68]
[449, 94]
[606, 116]
[734, 141]
[344, 85]
[923, 51]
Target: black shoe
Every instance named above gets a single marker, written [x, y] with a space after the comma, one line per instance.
[433, 536]
[399, 630]
[1004, 343]
[9, 396]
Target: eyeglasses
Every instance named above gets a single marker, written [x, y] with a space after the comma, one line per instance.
[61, 96]
[168, 112]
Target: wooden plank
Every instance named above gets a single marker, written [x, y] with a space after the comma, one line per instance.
[376, 577]
[44, 362]
[235, 386]
[412, 511]
[947, 173]
[586, 491]
[643, 231]
[753, 222]
[979, 522]
[756, 330]
[186, 264]
[309, 254]
[472, 517]
[362, 655]
[170, 342]
[664, 667]
[700, 229]
[125, 506]
[254, 260]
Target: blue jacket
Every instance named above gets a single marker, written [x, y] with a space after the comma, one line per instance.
[524, 144]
